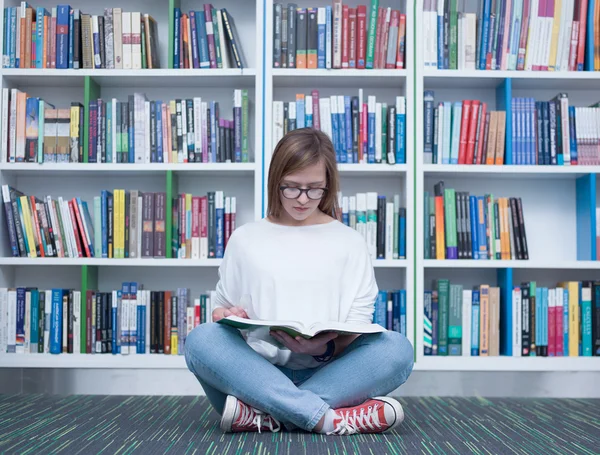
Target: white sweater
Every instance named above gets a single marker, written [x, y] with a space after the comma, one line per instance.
[310, 274]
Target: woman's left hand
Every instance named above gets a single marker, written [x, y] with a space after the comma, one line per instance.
[314, 346]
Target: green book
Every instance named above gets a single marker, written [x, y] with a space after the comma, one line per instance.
[372, 34]
[455, 320]
[450, 222]
[443, 288]
[453, 45]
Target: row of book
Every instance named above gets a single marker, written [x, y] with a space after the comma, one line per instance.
[530, 35]
[361, 130]
[129, 320]
[561, 321]
[138, 130]
[463, 226]
[390, 310]
[338, 36]
[125, 224]
[380, 221]
[462, 132]
[207, 38]
[66, 37]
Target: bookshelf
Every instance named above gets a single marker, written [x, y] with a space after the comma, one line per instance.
[550, 193]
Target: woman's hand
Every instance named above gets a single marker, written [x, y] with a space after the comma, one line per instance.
[314, 346]
[220, 313]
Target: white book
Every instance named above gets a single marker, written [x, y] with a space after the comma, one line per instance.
[337, 33]
[12, 322]
[118, 38]
[124, 313]
[378, 132]
[47, 320]
[372, 223]
[308, 107]
[76, 322]
[139, 121]
[291, 112]
[277, 123]
[517, 322]
[460, 40]
[389, 230]
[136, 40]
[67, 229]
[396, 239]
[296, 328]
[470, 27]
[440, 132]
[3, 320]
[127, 47]
[183, 158]
[361, 214]
[531, 34]
[562, 29]
[13, 127]
[5, 114]
[345, 205]
[467, 307]
[325, 116]
[133, 309]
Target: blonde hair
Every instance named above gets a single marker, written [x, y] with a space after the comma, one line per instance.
[298, 150]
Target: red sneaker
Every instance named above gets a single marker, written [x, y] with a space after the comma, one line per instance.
[376, 415]
[238, 416]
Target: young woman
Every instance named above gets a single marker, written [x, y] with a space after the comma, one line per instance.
[299, 263]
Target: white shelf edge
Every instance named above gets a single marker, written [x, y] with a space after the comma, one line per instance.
[374, 168]
[111, 262]
[507, 363]
[488, 74]
[390, 263]
[323, 72]
[163, 72]
[507, 169]
[86, 361]
[515, 264]
[128, 167]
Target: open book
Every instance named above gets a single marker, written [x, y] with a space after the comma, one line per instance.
[295, 328]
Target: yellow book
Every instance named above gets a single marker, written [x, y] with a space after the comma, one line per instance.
[573, 288]
[174, 341]
[74, 140]
[554, 39]
[28, 226]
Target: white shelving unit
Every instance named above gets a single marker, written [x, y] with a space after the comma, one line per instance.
[548, 194]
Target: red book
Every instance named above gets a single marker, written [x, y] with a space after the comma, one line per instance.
[401, 42]
[75, 229]
[227, 221]
[352, 38]
[385, 34]
[552, 327]
[380, 24]
[559, 326]
[195, 227]
[481, 133]
[464, 127]
[472, 131]
[394, 24]
[583, 7]
[361, 48]
[345, 36]
[364, 130]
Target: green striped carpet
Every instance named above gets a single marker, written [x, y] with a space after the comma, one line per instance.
[37, 424]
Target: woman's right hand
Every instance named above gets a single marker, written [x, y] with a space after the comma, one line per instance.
[220, 313]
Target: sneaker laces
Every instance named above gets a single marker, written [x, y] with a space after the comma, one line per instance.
[251, 417]
[351, 422]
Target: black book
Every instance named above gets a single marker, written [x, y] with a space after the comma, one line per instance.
[381, 227]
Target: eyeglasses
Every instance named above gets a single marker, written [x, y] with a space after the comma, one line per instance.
[290, 192]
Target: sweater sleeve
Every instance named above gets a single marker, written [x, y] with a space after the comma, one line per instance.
[365, 288]
[227, 291]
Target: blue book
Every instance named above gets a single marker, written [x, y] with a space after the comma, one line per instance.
[400, 130]
[20, 345]
[371, 133]
[39, 35]
[572, 135]
[34, 328]
[474, 227]
[396, 311]
[159, 133]
[71, 37]
[329, 38]
[142, 328]
[177, 35]
[481, 228]
[220, 222]
[62, 37]
[202, 39]
[485, 31]
[13, 32]
[348, 128]
[335, 129]
[475, 323]
[118, 328]
[300, 112]
[403, 312]
[440, 42]
[402, 233]
[56, 322]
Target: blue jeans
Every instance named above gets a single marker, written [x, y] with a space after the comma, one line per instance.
[372, 365]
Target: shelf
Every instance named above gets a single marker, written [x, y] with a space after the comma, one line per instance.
[111, 262]
[131, 361]
[505, 363]
[243, 78]
[562, 80]
[339, 78]
[67, 169]
[369, 169]
[390, 263]
[510, 171]
[500, 264]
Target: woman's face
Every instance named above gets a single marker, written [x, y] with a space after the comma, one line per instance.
[302, 210]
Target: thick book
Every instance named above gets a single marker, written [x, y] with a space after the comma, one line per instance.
[295, 328]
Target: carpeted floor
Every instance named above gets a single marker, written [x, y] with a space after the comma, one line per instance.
[39, 424]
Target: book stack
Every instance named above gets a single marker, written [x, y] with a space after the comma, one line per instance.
[535, 320]
[362, 131]
[381, 222]
[34, 130]
[128, 320]
[338, 36]
[390, 310]
[206, 38]
[461, 226]
[530, 35]
[65, 37]
[189, 130]
[462, 132]
[125, 224]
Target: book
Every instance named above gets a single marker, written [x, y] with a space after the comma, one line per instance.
[295, 328]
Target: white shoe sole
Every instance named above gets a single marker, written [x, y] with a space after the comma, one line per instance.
[397, 409]
[229, 411]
